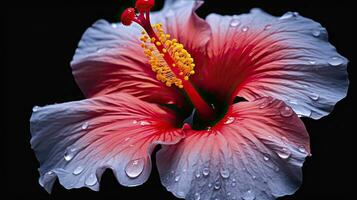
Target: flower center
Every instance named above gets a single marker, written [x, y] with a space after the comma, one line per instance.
[172, 64]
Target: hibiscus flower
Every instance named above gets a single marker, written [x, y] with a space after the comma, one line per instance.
[170, 78]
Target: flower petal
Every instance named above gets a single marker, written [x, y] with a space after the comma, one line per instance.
[289, 58]
[181, 22]
[256, 152]
[77, 141]
[110, 59]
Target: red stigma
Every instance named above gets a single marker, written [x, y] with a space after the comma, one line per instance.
[128, 16]
[144, 5]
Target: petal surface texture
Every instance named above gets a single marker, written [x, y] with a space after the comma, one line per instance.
[109, 59]
[289, 58]
[77, 141]
[256, 152]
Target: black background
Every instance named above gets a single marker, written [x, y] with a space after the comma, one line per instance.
[38, 40]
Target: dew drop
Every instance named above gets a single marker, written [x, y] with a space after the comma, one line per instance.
[134, 168]
[265, 158]
[312, 62]
[284, 153]
[316, 33]
[114, 25]
[335, 61]
[287, 15]
[276, 169]
[145, 123]
[78, 170]
[245, 29]
[49, 173]
[197, 196]
[198, 174]
[100, 50]
[217, 185]
[234, 23]
[314, 96]
[177, 178]
[69, 154]
[302, 149]
[135, 121]
[181, 194]
[267, 27]
[85, 125]
[234, 184]
[286, 111]
[126, 139]
[249, 195]
[224, 173]
[209, 129]
[229, 120]
[205, 171]
[91, 180]
[254, 177]
[35, 108]
[209, 185]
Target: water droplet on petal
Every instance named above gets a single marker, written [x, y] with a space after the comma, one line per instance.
[126, 139]
[134, 168]
[209, 129]
[224, 173]
[181, 194]
[209, 185]
[85, 125]
[249, 195]
[245, 29]
[36, 108]
[335, 61]
[69, 154]
[49, 173]
[284, 153]
[316, 33]
[198, 174]
[205, 171]
[78, 170]
[254, 177]
[217, 185]
[145, 123]
[234, 184]
[114, 25]
[267, 27]
[286, 111]
[302, 149]
[265, 158]
[287, 15]
[177, 178]
[91, 180]
[100, 50]
[312, 62]
[276, 169]
[314, 96]
[229, 120]
[135, 121]
[228, 194]
[197, 196]
[234, 23]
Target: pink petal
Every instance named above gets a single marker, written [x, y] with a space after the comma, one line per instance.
[181, 22]
[289, 58]
[110, 59]
[256, 152]
[77, 141]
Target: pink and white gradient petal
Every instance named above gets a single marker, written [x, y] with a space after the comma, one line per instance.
[255, 152]
[181, 22]
[109, 59]
[288, 58]
[77, 141]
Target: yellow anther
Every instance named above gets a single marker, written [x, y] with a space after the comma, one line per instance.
[183, 62]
